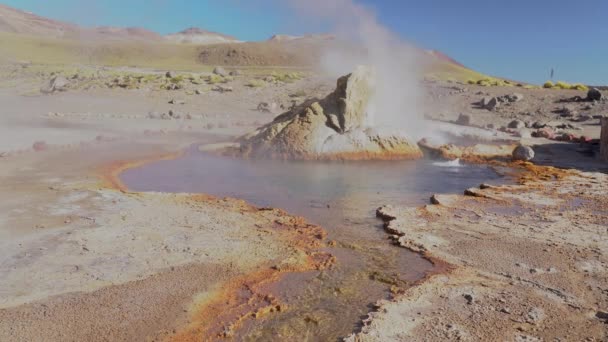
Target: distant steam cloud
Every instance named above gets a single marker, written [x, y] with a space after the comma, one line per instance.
[396, 102]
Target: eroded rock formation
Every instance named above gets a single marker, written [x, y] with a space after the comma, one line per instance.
[336, 127]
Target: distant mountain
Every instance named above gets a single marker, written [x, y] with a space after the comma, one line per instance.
[195, 35]
[125, 33]
[16, 21]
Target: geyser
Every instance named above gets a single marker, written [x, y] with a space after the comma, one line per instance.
[336, 127]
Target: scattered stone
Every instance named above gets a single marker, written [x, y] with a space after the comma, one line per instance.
[594, 94]
[220, 71]
[535, 315]
[222, 89]
[492, 104]
[264, 107]
[546, 133]
[464, 119]
[56, 83]
[522, 152]
[538, 125]
[469, 298]
[515, 97]
[583, 118]
[516, 124]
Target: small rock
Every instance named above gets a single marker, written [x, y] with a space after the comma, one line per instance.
[169, 74]
[220, 71]
[535, 315]
[264, 107]
[469, 298]
[538, 125]
[516, 124]
[235, 73]
[198, 92]
[464, 120]
[546, 133]
[492, 104]
[222, 89]
[594, 94]
[524, 153]
[603, 315]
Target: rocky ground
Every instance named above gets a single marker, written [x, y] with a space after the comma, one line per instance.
[526, 261]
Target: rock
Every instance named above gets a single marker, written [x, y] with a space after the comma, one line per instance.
[492, 104]
[220, 71]
[154, 115]
[490, 126]
[538, 125]
[222, 89]
[175, 115]
[445, 200]
[56, 83]
[594, 94]
[567, 111]
[516, 124]
[335, 127]
[515, 97]
[198, 92]
[264, 107]
[235, 73]
[546, 133]
[169, 74]
[535, 315]
[583, 118]
[524, 153]
[603, 315]
[469, 298]
[464, 119]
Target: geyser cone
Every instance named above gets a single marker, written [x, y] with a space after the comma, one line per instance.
[336, 127]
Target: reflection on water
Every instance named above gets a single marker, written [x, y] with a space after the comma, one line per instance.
[341, 197]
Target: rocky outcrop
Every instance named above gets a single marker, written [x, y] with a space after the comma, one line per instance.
[336, 127]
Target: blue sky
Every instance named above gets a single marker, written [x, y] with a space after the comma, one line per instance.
[517, 39]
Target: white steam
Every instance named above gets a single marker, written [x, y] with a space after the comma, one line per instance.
[397, 97]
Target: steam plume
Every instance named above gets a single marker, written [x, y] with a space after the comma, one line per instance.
[396, 101]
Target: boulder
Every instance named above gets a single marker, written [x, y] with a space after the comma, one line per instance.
[522, 152]
[220, 71]
[594, 94]
[335, 127]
